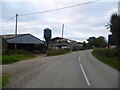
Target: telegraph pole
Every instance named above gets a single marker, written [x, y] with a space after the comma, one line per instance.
[62, 30]
[16, 32]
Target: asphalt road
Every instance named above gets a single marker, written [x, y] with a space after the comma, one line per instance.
[74, 70]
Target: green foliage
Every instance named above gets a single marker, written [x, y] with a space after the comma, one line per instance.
[91, 41]
[11, 56]
[57, 52]
[108, 56]
[5, 79]
[7, 59]
[98, 42]
[79, 47]
[41, 48]
[108, 52]
[84, 44]
[16, 52]
[115, 28]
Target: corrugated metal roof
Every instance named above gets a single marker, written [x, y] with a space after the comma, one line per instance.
[9, 36]
[23, 38]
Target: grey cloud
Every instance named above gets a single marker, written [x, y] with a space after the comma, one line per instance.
[80, 22]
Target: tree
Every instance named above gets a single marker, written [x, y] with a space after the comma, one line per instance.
[100, 42]
[84, 44]
[91, 41]
[115, 28]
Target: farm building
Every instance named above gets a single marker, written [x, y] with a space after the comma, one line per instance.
[24, 41]
[59, 42]
[4, 44]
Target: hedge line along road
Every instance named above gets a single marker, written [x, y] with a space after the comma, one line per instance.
[73, 70]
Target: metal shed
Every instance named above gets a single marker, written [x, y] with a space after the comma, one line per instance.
[4, 44]
[24, 41]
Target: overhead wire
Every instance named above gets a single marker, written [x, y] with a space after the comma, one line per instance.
[60, 8]
[10, 19]
[53, 9]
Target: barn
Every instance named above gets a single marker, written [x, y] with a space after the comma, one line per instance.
[4, 43]
[23, 41]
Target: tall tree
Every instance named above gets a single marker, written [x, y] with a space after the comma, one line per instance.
[101, 42]
[91, 41]
[84, 44]
[115, 28]
[98, 42]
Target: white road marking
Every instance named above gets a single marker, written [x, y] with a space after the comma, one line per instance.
[79, 58]
[85, 75]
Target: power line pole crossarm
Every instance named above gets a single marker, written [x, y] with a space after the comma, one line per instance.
[16, 32]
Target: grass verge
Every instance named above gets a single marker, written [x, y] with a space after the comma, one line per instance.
[108, 57]
[4, 80]
[57, 52]
[11, 56]
[7, 59]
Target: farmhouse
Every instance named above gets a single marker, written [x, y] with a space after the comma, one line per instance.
[23, 41]
[59, 42]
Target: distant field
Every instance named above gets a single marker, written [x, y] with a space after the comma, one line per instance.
[109, 57]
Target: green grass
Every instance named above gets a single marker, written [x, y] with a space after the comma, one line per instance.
[57, 52]
[7, 59]
[4, 80]
[11, 56]
[108, 57]
[0, 82]
[16, 52]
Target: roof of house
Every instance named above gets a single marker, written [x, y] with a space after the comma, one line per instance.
[56, 38]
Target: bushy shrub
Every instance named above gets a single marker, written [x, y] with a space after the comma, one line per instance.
[40, 48]
[57, 52]
[108, 56]
[108, 52]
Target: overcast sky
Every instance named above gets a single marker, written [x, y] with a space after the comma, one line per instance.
[80, 22]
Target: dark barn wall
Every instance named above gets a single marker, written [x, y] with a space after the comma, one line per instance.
[36, 48]
[4, 44]
[28, 47]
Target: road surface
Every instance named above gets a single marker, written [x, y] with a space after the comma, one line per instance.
[74, 70]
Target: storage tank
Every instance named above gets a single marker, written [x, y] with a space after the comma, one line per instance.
[47, 34]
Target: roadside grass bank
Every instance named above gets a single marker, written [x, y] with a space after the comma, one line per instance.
[4, 80]
[81, 49]
[58, 52]
[7, 59]
[11, 56]
[108, 56]
[62, 51]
